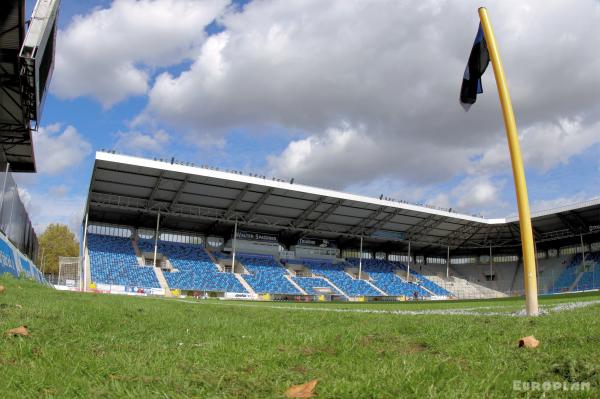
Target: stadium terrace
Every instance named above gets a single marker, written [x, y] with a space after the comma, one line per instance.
[166, 228]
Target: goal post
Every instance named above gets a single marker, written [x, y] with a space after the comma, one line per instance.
[70, 271]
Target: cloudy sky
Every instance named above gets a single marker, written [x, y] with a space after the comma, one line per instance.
[359, 96]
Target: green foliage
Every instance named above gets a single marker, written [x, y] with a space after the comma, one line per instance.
[112, 346]
[57, 240]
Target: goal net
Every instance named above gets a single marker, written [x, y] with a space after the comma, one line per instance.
[69, 271]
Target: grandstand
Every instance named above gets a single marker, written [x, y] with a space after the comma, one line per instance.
[26, 64]
[154, 226]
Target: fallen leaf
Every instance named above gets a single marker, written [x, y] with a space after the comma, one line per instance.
[22, 331]
[2, 289]
[529, 342]
[302, 391]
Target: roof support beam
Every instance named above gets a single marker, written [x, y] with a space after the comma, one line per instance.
[467, 232]
[382, 222]
[252, 211]
[565, 220]
[322, 217]
[514, 228]
[156, 186]
[359, 228]
[306, 213]
[179, 192]
[236, 201]
[424, 226]
[584, 226]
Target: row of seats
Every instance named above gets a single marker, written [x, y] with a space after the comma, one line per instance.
[335, 272]
[384, 276]
[568, 275]
[113, 261]
[589, 279]
[266, 275]
[194, 269]
[310, 285]
[425, 282]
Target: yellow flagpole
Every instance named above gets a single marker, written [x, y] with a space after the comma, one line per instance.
[531, 293]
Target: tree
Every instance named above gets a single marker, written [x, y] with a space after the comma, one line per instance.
[57, 240]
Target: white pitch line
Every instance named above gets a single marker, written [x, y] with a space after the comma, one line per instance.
[465, 311]
[461, 311]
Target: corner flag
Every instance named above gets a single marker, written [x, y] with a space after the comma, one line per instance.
[484, 51]
[478, 62]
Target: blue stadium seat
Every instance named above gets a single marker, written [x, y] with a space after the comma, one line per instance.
[195, 270]
[113, 261]
[383, 274]
[336, 274]
[308, 284]
[266, 275]
[590, 278]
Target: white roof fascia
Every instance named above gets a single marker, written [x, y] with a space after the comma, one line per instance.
[300, 188]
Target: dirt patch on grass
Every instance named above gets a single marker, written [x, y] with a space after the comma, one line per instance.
[312, 350]
[396, 344]
[8, 362]
[133, 378]
[299, 369]
[574, 370]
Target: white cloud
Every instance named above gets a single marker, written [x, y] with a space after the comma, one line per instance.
[346, 155]
[374, 85]
[47, 209]
[137, 142]
[545, 145]
[476, 193]
[109, 54]
[547, 204]
[56, 151]
[59, 191]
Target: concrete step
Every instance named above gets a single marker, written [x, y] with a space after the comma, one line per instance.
[162, 281]
[335, 286]
[376, 288]
[289, 278]
[138, 253]
[244, 283]
[573, 286]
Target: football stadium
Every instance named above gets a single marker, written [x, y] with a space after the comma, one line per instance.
[203, 281]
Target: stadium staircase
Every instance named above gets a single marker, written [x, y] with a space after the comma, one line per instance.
[289, 278]
[136, 249]
[211, 256]
[266, 275]
[376, 288]
[244, 284]
[162, 281]
[335, 286]
[193, 268]
[573, 286]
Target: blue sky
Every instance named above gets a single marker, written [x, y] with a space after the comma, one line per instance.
[353, 95]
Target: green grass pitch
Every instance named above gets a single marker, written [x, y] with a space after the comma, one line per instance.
[103, 346]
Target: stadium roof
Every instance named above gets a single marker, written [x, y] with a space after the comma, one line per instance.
[26, 64]
[15, 135]
[125, 190]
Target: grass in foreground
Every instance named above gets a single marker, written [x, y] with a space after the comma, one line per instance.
[87, 345]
